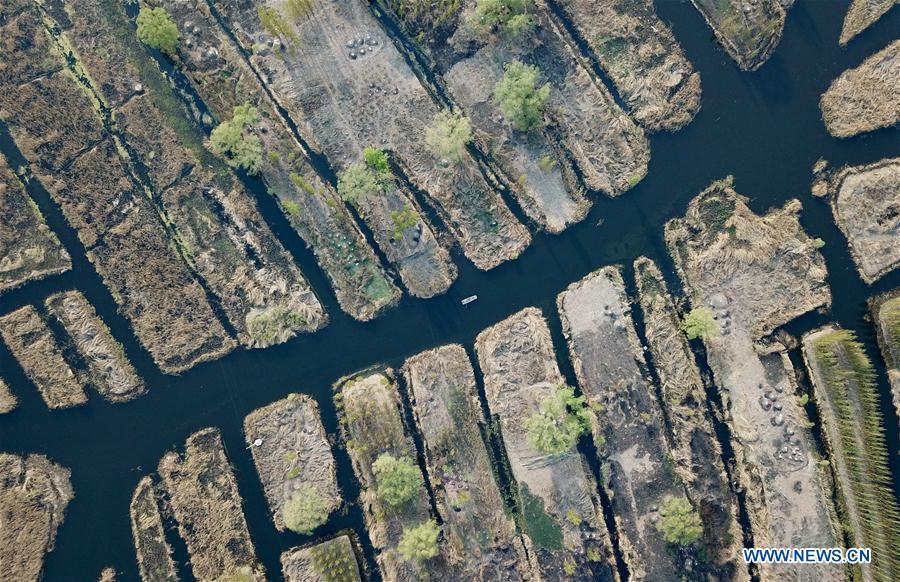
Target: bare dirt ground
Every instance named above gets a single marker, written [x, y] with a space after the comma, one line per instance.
[154, 556]
[748, 31]
[55, 126]
[861, 15]
[344, 103]
[865, 98]
[332, 560]
[205, 501]
[481, 538]
[372, 424]
[223, 79]
[35, 348]
[640, 54]
[609, 363]
[885, 310]
[756, 273]
[28, 248]
[852, 429]
[34, 494]
[696, 451]
[563, 522]
[216, 222]
[294, 454]
[865, 202]
[108, 369]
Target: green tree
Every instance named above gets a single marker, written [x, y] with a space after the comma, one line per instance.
[448, 135]
[509, 16]
[561, 419]
[305, 510]
[156, 28]
[398, 480]
[518, 96]
[232, 140]
[679, 522]
[700, 323]
[358, 182]
[419, 543]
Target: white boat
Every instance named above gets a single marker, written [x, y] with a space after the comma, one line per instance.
[469, 299]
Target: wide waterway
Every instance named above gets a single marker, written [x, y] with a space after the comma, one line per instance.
[764, 128]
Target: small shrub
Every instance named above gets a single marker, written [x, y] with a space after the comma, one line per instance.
[699, 323]
[569, 567]
[275, 24]
[509, 16]
[562, 418]
[573, 517]
[377, 160]
[297, 9]
[231, 140]
[818, 243]
[546, 164]
[305, 510]
[398, 480]
[448, 135]
[155, 28]
[593, 554]
[403, 219]
[519, 98]
[419, 543]
[679, 523]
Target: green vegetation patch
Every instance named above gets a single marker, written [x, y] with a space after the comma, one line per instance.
[543, 530]
[849, 380]
[335, 561]
[715, 211]
[700, 323]
[305, 510]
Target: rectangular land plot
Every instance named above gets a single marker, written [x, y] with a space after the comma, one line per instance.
[292, 456]
[865, 202]
[332, 560]
[630, 433]
[696, 452]
[372, 428]
[204, 498]
[640, 54]
[54, 124]
[109, 370]
[34, 494]
[749, 32]
[753, 274]
[561, 516]
[223, 79]
[345, 100]
[28, 248]
[885, 310]
[266, 298]
[35, 348]
[154, 556]
[846, 395]
[481, 537]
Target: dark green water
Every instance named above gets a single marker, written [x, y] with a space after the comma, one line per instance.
[763, 127]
